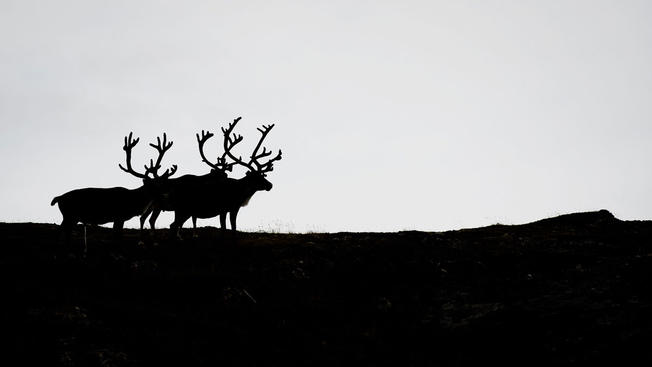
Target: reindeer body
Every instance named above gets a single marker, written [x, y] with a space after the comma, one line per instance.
[175, 187]
[208, 201]
[103, 205]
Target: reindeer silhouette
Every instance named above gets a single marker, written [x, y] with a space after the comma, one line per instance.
[204, 202]
[115, 204]
[176, 186]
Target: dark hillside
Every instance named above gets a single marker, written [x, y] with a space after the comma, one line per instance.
[568, 290]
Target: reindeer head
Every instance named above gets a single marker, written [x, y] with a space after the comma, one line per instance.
[257, 170]
[155, 179]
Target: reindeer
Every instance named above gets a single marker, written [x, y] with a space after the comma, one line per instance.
[115, 204]
[205, 202]
[175, 186]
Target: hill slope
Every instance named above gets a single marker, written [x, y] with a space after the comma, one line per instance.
[558, 291]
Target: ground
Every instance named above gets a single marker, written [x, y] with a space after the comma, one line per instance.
[562, 291]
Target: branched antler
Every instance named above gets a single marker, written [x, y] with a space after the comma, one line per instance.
[161, 147]
[267, 166]
[221, 163]
[205, 135]
[253, 165]
[129, 145]
[153, 168]
[230, 142]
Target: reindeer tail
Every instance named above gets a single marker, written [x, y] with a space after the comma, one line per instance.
[54, 201]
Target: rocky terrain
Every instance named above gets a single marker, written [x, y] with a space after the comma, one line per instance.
[574, 289]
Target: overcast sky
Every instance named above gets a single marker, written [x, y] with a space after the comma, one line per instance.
[392, 115]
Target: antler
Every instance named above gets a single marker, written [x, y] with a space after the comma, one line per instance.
[267, 166]
[253, 164]
[129, 145]
[153, 168]
[161, 148]
[221, 164]
[231, 142]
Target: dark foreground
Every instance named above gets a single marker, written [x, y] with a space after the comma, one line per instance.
[569, 290]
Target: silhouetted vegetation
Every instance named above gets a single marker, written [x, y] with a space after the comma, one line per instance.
[568, 290]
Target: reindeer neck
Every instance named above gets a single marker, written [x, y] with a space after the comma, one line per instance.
[247, 186]
[142, 194]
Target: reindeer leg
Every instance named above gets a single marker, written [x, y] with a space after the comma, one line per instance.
[66, 229]
[66, 248]
[233, 233]
[223, 221]
[179, 220]
[143, 217]
[194, 227]
[233, 215]
[152, 220]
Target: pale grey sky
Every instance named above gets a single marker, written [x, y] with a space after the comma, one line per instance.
[392, 115]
